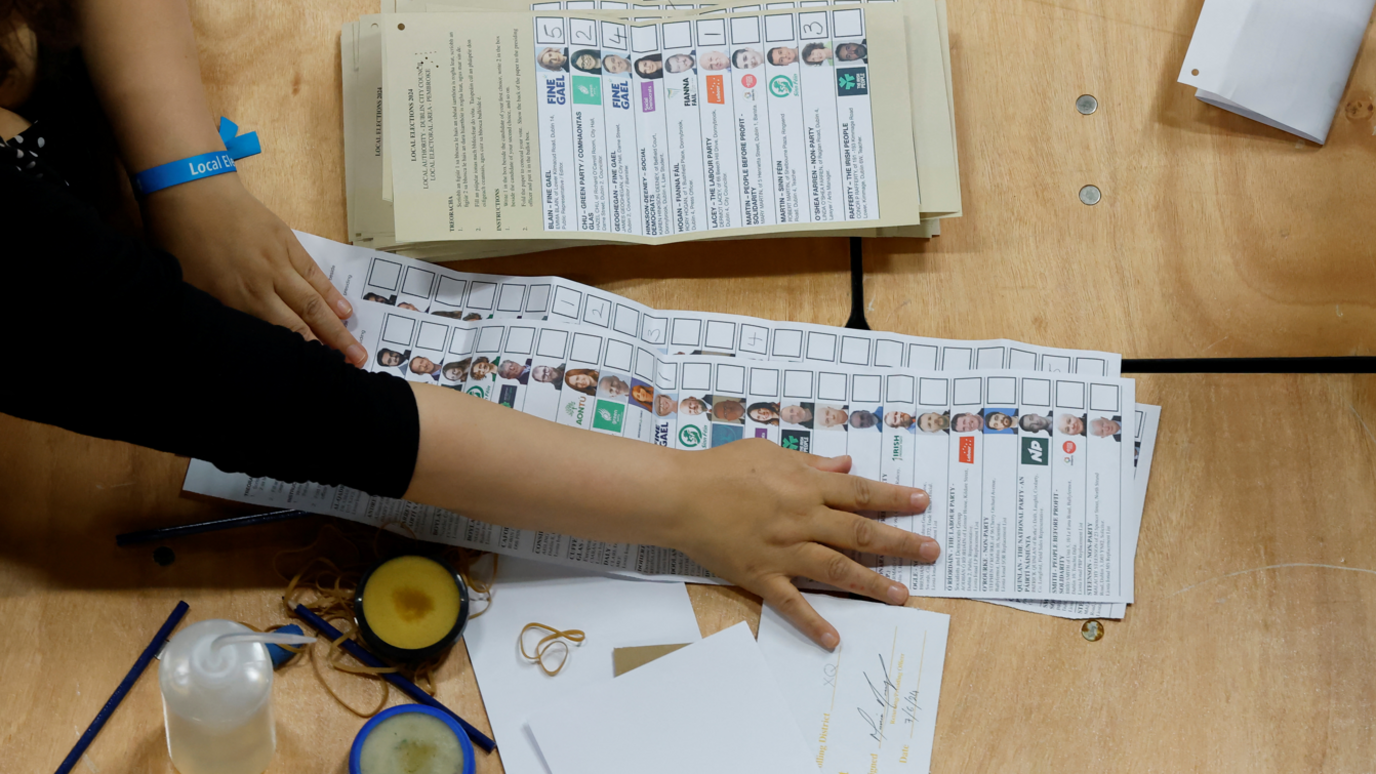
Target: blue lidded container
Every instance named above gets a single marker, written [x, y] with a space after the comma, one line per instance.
[356, 753]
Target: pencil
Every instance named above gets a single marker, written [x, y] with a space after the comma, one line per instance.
[406, 686]
[165, 533]
[128, 682]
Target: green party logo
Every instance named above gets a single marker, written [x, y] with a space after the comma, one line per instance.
[608, 416]
[586, 90]
[781, 85]
[690, 436]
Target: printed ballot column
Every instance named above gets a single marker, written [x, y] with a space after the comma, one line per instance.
[652, 160]
[927, 426]
[623, 182]
[825, 187]
[1108, 471]
[856, 124]
[1068, 489]
[590, 173]
[789, 169]
[720, 151]
[964, 487]
[681, 98]
[999, 435]
[1036, 426]
[557, 182]
[751, 129]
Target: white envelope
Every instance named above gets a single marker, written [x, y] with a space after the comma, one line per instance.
[1284, 63]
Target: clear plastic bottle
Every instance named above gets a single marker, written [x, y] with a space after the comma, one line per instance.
[216, 680]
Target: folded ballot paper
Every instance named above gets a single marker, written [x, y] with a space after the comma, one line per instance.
[481, 128]
[1035, 457]
[1284, 63]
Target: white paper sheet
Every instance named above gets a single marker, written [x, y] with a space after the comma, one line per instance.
[1284, 63]
[614, 613]
[871, 704]
[710, 707]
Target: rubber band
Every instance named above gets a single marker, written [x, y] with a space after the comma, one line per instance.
[555, 637]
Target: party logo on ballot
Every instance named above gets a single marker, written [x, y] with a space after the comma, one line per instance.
[587, 90]
[748, 81]
[852, 81]
[967, 449]
[690, 436]
[796, 440]
[1035, 451]
[609, 416]
[716, 90]
[781, 86]
[507, 396]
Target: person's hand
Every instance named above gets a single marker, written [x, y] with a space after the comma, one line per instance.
[761, 515]
[235, 249]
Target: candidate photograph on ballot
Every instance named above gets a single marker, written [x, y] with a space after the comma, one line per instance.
[642, 395]
[582, 380]
[694, 405]
[797, 414]
[727, 410]
[830, 416]
[763, 413]
[1036, 423]
[514, 370]
[967, 422]
[613, 386]
[867, 419]
[1000, 421]
[553, 58]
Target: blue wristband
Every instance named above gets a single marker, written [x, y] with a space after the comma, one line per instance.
[197, 167]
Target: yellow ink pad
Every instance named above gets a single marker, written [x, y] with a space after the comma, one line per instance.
[411, 607]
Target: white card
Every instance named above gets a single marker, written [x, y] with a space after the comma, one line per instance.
[710, 707]
[614, 613]
[871, 704]
[1284, 63]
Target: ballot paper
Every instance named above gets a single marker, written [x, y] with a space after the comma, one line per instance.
[721, 148]
[710, 707]
[1284, 63]
[612, 612]
[363, 274]
[685, 152]
[1148, 419]
[869, 705]
[996, 544]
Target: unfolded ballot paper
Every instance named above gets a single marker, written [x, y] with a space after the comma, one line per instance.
[1284, 63]
[1029, 452]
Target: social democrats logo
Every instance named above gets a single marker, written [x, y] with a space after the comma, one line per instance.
[587, 90]
[555, 91]
[781, 86]
[748, 81]
[852, 81]
[690, 437]
[1035, 451]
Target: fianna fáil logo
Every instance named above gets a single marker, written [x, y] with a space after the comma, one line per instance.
[781, 86]
[690, 436]
[852, 81]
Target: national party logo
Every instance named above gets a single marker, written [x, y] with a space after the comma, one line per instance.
[1036, 451]
[609, 416]
[852, 81]
[782, 86]
[690, 436]
[587, 90]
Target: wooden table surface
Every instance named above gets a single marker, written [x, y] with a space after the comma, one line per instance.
[1250, 645]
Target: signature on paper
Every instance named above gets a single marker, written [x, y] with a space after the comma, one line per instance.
[880, 694]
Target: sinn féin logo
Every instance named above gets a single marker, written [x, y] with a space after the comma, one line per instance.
[690, 436]
[781, 86]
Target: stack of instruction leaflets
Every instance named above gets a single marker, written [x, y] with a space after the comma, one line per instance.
[1035, 458]
[479, 128]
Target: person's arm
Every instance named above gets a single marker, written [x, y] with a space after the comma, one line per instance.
[141, 55]
[750, 511]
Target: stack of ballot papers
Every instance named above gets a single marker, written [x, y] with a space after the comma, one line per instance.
[723, 703]
[1036, 458]
[479, 128]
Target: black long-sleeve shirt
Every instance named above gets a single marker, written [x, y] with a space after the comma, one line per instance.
[148, 359]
